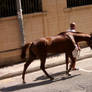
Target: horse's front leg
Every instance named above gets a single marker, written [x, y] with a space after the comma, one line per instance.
[72, 65]
[66, 56]
[67, 62]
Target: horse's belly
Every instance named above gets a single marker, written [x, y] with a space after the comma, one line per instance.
[61, 48]
[56, 49]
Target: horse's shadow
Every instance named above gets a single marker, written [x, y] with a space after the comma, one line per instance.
[35, 84]
[43, 77]
[57, 76]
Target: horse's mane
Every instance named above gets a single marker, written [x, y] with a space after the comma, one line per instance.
[77, 34]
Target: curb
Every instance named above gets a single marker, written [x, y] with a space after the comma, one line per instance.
[30, 70]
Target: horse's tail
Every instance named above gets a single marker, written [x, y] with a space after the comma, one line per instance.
[24, 48]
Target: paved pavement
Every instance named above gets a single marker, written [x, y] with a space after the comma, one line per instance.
[16, 70]
[79, 81]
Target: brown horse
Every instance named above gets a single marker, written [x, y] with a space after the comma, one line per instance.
[60, 43]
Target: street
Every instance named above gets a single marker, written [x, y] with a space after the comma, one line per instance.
[79, 81]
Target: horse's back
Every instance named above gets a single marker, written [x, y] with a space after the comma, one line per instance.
[58, 44]
[53, 44]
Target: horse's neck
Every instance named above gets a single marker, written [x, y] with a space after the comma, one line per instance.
[78, 36]
[82, 37]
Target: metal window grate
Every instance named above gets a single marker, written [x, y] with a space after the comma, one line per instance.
[8, 7]
[31, 6]
[75, 3]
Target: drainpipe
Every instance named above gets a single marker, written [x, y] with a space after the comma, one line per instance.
[20, 20]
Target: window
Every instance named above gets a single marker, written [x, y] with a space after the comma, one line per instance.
[75, 3]
[9, 8]
[31, 6]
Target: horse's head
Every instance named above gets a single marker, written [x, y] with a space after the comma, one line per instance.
[90, 41]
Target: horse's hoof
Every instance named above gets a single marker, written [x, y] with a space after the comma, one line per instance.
[69, 74]
[24, 82]
[51, 78]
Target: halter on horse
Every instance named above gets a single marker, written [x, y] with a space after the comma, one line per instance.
[60, 43]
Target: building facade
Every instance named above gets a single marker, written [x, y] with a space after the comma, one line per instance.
[53, 17]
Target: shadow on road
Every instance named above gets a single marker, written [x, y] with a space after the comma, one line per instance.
[41, 83]
[43, 77]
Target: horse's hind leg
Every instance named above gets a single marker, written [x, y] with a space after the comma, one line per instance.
[43, 60]
[25, 68]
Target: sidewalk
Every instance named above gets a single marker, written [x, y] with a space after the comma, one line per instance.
[16, 70]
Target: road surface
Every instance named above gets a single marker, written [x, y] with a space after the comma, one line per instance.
[79, 81]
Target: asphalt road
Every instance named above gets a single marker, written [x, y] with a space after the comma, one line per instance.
[79, 81]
